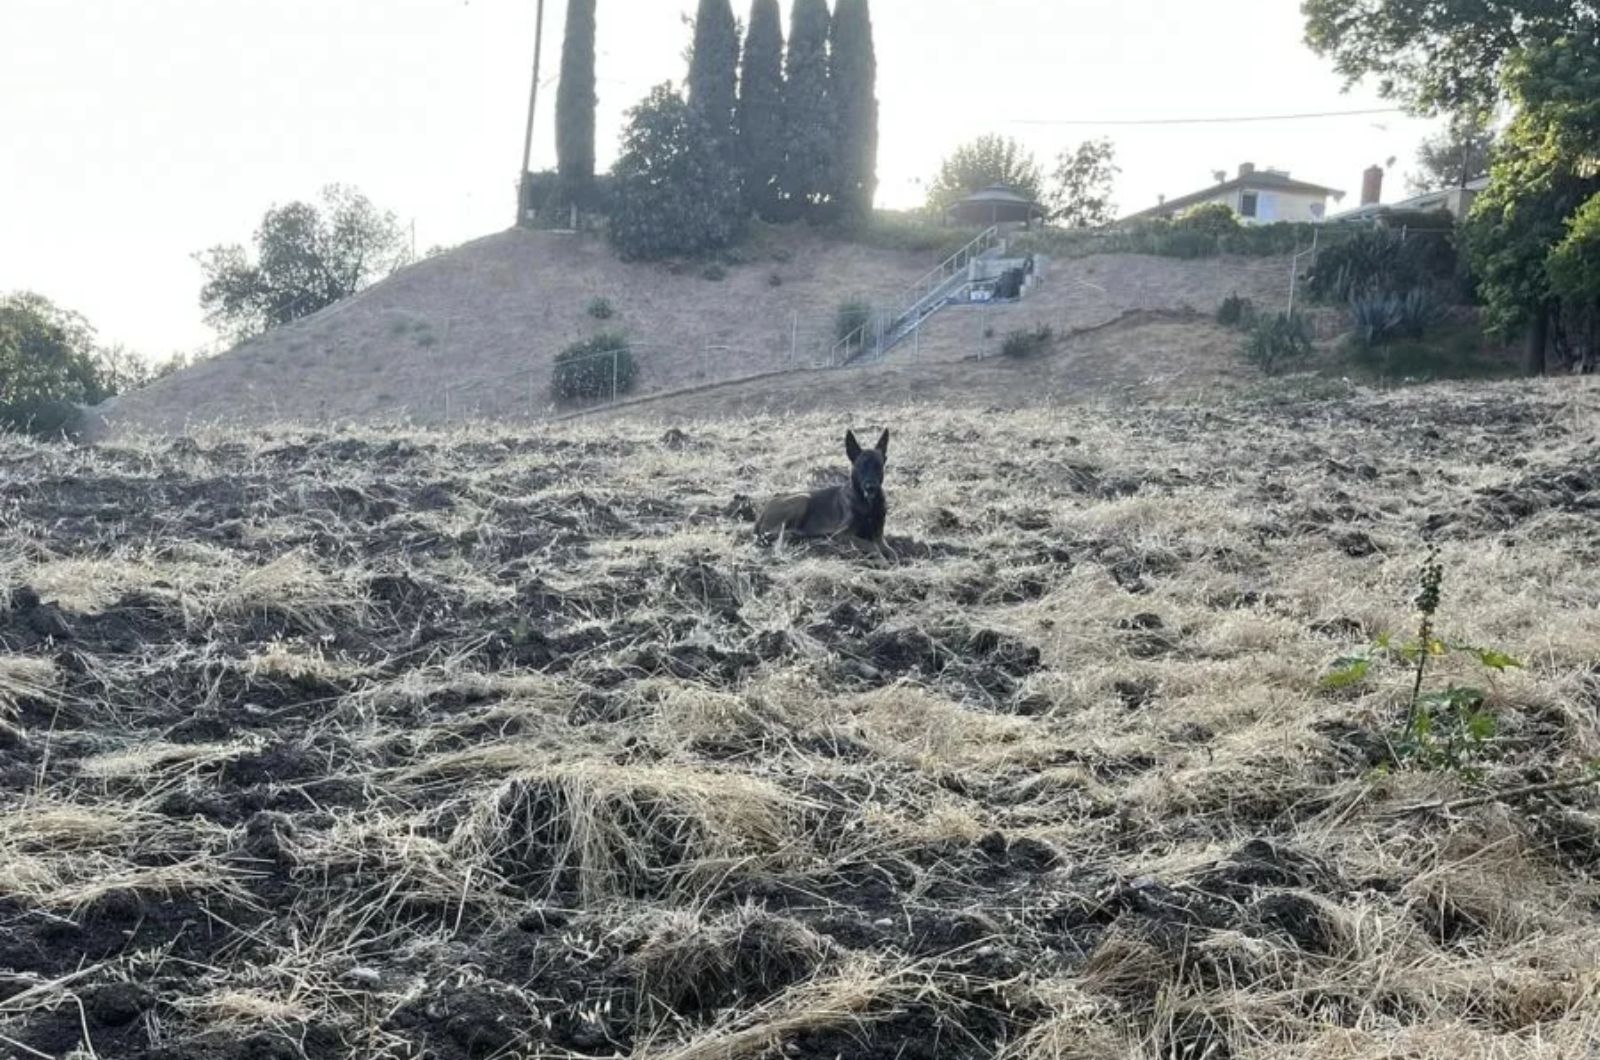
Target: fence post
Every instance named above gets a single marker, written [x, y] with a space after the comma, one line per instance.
[794, 339]
[616, 361]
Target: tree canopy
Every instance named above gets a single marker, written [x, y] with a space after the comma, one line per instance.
[761, 117]
[575, 105]
[810, 119]
[991, 159]
[50, 363]
[854, 78]
[673, 191]
[1455, 155]
[307, 258]
[1081, 194]
[714, 67]
[1436, 55]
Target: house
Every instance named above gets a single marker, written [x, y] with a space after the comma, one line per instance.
[996, 205]
[1258, 196]
[1455, 201]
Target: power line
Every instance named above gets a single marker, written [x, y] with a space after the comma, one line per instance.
[1208, 121]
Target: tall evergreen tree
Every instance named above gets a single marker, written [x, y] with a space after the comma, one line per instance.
[714, 67]
[575, 105]
[854, 85]
[761, 109]
[809, 115]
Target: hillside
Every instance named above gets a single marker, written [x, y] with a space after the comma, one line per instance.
[491, 744]
[472, 333]
[471, 319]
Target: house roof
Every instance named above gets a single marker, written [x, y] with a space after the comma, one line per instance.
[1260, 180]
[1427, 200]
[998, 193]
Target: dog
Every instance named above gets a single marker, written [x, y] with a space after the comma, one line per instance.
[857, 509]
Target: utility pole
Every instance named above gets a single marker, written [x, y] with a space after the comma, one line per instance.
[533, 99]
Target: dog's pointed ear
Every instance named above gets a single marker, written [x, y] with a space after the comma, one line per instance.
[852, 448]
[883, 442]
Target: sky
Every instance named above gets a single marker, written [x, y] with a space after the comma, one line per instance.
[136, 134]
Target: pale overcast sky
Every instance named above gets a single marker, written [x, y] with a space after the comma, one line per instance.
[137, 132]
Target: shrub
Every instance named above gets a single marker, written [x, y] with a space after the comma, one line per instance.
[714, 272]
[1027, 341]
[1381, 261]
[42, 417]
[600, 309]
[1276, 341]
[774, 280]
[1212, 218]
[852, 316]
[599, 367]
[673, 190]
[912, 230]
[1236, 312]
[1378, 319]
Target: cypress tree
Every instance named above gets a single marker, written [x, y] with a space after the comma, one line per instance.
[761, 109]
[575, 105]
[854, 67]
[809, 118]
[714, 67]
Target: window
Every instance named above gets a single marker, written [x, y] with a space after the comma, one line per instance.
[1247, 204]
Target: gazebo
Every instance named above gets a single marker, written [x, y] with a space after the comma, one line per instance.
[996, 205]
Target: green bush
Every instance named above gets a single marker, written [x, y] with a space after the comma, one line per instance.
[673, 191]
[1171, 239]
[909, 230]
[714, 272]
[1377, 319]
[42, 417]
[1027, 342]
[1236, 312]
[600, 309]
[1277, 341]
[1381, 261]
[1212, 218]
[599, 367]
[774, 280]
[851, 318]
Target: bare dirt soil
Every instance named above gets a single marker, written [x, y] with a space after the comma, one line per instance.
[514, 744]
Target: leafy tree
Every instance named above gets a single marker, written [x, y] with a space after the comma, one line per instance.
[854, 75]
[306, 259]
[49, 365]
[714, 67]
[1451, 158]
[810, 119]
[1546, 170]
[988, 160]
[673, 190]
[1436, 55]
[575, 106]
[1083, 179]
[760, 119]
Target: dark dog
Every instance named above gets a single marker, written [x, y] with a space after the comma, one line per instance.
[857, 509]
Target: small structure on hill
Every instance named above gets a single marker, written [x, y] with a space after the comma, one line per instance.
[996, 205]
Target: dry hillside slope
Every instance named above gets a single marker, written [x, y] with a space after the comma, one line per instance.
[472, 333]
[471, 319]
[502, 744]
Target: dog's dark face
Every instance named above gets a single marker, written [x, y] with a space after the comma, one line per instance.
[866, 465]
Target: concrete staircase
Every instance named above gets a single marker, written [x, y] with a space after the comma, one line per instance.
[981, 260]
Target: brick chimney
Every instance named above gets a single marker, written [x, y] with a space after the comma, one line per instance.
[1246, 169]
[1372, 186]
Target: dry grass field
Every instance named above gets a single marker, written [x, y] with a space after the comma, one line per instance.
[509, 744]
